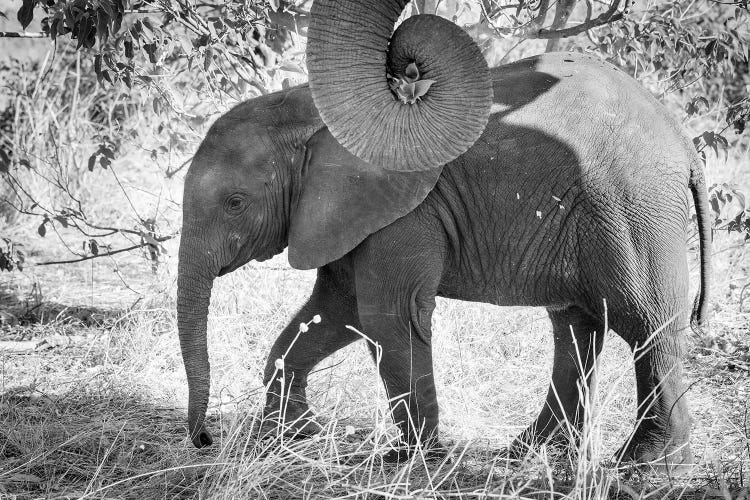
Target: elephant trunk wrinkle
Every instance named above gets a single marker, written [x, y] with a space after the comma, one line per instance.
[194, 286]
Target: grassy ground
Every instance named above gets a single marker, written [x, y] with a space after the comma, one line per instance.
[93, 396]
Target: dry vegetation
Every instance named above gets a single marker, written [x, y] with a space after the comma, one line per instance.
[93, 392]
[93, 398]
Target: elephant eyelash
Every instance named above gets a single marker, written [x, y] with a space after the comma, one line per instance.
[236, 204]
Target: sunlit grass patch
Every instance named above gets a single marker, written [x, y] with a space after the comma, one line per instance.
[75, 415]
[119, 431]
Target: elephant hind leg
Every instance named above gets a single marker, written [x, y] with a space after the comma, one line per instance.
[662, 433]
[578, 339]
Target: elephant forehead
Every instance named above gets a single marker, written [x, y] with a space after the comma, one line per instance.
[222, 163]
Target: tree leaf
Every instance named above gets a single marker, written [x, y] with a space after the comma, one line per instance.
[42, 229]
[4, 162]
[108, 152]
[26, 13]
[207, 59]
[62, 220]
[291, 66]
[421, 87]
[405, 92]
[147, 238]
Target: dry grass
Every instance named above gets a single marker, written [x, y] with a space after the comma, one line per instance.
[102, 416]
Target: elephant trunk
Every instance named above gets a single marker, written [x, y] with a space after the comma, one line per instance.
[194, 283]
[409, 100]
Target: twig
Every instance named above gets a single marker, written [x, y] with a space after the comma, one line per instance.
[610, 16]
[106, 254]
[170, 173]
[23, 34]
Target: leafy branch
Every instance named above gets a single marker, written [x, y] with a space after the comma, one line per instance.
[152, 243]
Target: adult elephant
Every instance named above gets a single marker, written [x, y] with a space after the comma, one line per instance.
[577, 191]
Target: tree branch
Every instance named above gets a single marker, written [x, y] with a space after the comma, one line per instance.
[610, 16]
[535, 25]
[23, 34]
[105, 254]
[563, 10]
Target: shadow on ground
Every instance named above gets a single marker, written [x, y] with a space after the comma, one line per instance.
[32, 310]
[109, 443]
[97, 444]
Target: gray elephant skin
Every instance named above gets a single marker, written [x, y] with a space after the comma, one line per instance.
[576, 192]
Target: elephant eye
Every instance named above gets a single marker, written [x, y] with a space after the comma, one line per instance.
[235, 204]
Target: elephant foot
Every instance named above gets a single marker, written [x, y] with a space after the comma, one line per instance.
[296, 422]
[651, 454]
[434, 452]
[530, 442]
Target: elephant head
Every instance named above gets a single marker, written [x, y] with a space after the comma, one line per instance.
[280, 170]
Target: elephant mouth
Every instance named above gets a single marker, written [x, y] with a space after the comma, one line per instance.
[239, 262]
[227, 269]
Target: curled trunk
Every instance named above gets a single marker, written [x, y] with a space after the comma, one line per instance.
[359, 74]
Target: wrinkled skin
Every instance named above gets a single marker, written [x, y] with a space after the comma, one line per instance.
[577, 192]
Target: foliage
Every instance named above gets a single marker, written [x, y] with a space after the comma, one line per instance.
[12, 255]
[43, 177]
[180, 63]
[730, 209]
[175, 63]
[697, 53]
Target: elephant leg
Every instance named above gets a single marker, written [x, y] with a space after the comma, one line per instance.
[396, 288]
[578, 341]
[334, 300]
[662, 432]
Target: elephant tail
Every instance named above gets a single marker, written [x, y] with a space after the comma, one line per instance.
[699, 318]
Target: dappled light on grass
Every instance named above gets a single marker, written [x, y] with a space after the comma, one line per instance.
[104, 415]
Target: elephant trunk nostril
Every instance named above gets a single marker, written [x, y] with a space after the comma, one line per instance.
[206, 439]
[202, 439]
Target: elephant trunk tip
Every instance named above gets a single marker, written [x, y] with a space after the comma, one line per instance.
[201, 438]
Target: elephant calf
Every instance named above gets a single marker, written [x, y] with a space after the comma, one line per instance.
[576, 191]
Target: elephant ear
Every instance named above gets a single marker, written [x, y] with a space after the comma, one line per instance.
[344, 199]
[411, 101]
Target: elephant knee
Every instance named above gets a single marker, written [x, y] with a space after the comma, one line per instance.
[421, 309]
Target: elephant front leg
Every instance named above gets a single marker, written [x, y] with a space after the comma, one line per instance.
[578, 342]
[295, 354]
[404, 362]
[396, 288]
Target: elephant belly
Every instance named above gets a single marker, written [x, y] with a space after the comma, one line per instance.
[514, 287]
[532, 264]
